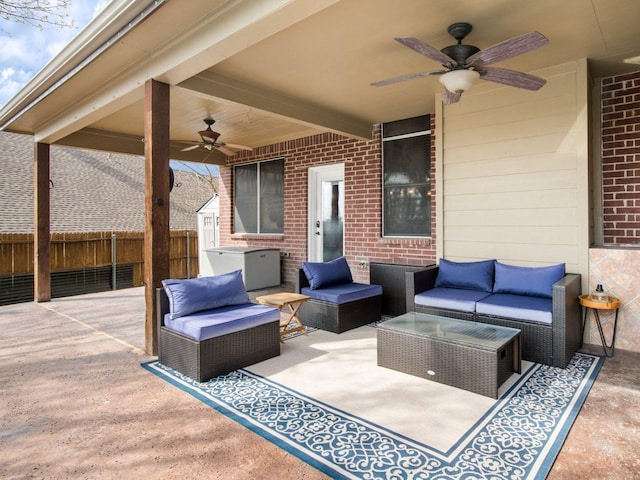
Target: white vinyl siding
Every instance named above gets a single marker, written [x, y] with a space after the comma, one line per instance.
[514, 165]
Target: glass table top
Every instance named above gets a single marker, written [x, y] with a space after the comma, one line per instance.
[475, 334]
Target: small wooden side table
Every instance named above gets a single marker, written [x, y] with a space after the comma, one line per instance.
[611, 303]
[285, 299]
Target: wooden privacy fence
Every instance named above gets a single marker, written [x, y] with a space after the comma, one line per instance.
[82, 252]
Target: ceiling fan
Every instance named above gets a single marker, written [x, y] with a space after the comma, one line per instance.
[466, 63]
[210, 141]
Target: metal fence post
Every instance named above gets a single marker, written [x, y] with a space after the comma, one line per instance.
[113, 260]
[188, 256]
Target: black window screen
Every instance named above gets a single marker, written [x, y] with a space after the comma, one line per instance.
[406, 186]
[259, 197]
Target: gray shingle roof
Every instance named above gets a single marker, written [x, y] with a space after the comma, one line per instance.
[92, 191]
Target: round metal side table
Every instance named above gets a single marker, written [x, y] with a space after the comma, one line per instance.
[611, 303]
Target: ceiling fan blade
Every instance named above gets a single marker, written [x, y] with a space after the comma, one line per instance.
[508, 49]
[403, 78]
[238, 147]
[449, 97]
[225, 150]
[512, 78]
[188, 149]
[427, 50]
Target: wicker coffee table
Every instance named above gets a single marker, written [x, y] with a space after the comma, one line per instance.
[473, 356]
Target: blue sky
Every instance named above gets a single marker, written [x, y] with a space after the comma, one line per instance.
[26, 50]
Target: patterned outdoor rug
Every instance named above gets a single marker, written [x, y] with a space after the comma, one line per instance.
[362, 421]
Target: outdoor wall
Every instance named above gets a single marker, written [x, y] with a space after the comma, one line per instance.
[515, 171]
[617, 209]
[363, 210]
[514, 166]
[618, 271]
[621, 159]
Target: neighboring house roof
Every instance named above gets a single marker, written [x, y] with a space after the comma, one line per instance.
[90, 190]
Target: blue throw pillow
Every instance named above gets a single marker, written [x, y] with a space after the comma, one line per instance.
[321, 275]
[468, 275]
[532, 281]
[204, 293]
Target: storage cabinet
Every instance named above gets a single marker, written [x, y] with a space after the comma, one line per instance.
[260, 266]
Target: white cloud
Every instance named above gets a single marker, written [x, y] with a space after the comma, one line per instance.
[25, 49]
[100, 6]
[11, 80]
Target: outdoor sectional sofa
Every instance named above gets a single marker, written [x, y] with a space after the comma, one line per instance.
[208, 326]
[540, 301]
[336, 303]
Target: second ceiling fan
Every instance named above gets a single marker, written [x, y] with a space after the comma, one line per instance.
[466, 63]
[210, 141]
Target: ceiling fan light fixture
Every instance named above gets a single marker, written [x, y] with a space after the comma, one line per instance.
[459, 80]
[632, 60]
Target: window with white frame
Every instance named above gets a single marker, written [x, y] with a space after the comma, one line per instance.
[406, 177]
[259, 197]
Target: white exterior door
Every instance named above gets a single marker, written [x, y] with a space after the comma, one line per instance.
[326, 212]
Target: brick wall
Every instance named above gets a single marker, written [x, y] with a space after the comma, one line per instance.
[363, 203]
[621, 159]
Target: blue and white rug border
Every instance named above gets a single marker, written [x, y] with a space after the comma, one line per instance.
[551, 450]
[541, 467]
[191, 387]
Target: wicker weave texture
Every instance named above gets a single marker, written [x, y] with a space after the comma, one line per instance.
[553, 344]
[540, 350]
[442, 312]
[206, 359]
[338, 318]
[391, 277]
[567, 331]
[474, 369]
[203, 360]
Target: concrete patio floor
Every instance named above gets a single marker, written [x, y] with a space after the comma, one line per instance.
[75, 403]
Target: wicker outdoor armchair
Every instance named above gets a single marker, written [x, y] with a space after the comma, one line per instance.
[202, 360]
[338, 317]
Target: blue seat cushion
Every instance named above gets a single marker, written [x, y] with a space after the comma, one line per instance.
[221, 321]
[204, 293]
[533, 281]
[519, 307]
[451, 298]
[325, 274]
[344, 293]
[469, 275]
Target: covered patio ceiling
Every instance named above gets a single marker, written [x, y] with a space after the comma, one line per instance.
[277, 70]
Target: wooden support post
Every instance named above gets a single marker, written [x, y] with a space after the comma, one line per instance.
[156, 185]
[41, 224]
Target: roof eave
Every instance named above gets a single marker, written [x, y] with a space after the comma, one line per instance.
[117, 16]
